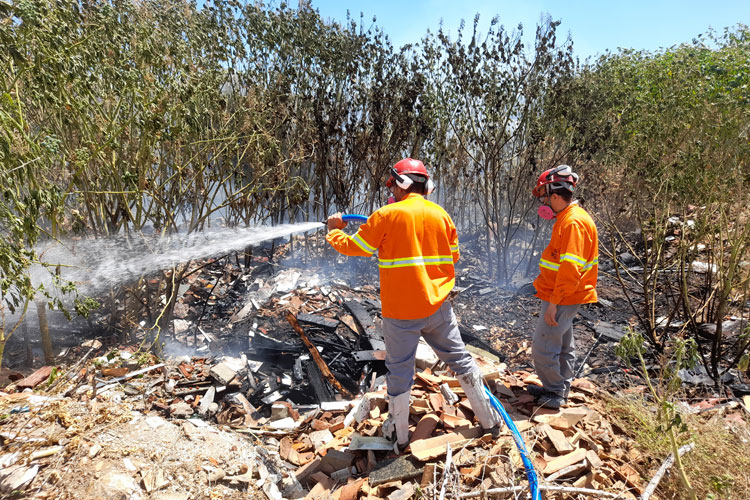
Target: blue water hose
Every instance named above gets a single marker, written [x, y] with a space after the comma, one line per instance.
[530, 472]
[354, 218]
[351, 218]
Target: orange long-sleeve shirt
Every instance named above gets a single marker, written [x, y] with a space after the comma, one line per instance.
[417, 246]
[569, 266]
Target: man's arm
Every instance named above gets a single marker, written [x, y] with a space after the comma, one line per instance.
[453, 237]
[363, 243]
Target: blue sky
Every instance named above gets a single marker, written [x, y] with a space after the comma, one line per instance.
[594, 26]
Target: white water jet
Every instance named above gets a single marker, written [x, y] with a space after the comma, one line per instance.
[95, 264]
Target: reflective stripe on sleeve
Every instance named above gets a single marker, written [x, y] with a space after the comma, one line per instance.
[572, 258]
[454, 248]
[548, 265]
[591, 264]
[361, 243]
[432, 260]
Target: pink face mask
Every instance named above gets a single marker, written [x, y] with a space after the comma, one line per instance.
[391, 199]
[546, 212]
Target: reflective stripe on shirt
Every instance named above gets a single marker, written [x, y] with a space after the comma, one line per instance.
[585, 266]
[432, 260]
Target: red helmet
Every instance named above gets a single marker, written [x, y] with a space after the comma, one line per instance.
[558, 177]
[406, 166]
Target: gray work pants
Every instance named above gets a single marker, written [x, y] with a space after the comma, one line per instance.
[553, 350]
[440, 331]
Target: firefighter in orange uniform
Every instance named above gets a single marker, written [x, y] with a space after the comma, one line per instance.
[569, 267]
[417, 247]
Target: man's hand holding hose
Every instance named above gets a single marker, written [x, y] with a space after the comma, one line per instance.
[335, 221]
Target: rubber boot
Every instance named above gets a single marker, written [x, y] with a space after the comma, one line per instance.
[396, 426]
[473, 387]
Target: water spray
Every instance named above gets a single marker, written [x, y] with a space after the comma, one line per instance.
[96, 264]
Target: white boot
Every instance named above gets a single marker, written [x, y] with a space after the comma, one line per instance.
[397, 423]
[473, 387]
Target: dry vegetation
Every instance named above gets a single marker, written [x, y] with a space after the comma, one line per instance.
[718, 465]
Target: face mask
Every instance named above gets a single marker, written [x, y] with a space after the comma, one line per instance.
[546, 212]
[391, 199]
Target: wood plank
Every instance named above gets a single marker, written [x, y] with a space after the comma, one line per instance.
[564, 461]
[575, 414]
[366, 324]
[431, 448]
[317, 357]
[561, 444]
[316, 381]
[35, 378]
[593, 459]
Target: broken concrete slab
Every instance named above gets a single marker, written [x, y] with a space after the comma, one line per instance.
[153, 480]
[425, 357]
[223, 373]
[609, 332]
[396, 469]
[16, 477]
[320, 438]
[336, 460]
[206, 401]
[181, 410]
[338, 405]
[449, 396]
[359, 442]
[342, 475]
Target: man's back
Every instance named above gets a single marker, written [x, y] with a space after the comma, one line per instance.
[417, 246]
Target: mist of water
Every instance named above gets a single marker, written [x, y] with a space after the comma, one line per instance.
[96, 264]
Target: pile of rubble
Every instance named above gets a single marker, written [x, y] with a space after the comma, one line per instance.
[299, 449]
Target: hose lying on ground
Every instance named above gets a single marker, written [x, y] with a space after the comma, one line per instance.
[530, 472]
